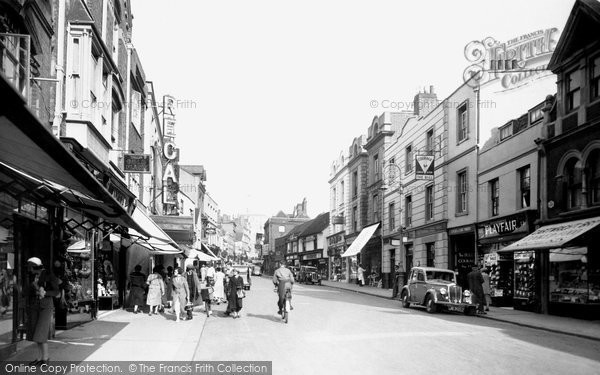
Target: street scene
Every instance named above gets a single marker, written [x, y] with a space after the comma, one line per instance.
[275, 187]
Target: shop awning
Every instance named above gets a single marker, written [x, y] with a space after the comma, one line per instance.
[192, 253]
[360, 241]
[209, 251]
[149, 226]
[159, 247]
[569, 254]
[31, 147]
[554, 236]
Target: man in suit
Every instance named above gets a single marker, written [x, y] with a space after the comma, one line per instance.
[396, 281]
[475, 280]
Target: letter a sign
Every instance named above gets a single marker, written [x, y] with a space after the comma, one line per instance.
[424, 167]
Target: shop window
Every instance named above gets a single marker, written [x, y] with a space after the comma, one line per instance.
[429, 203]
[593, 167]
[573, 90]
[570, 281]
[525, 187]
[408, 210]
[595, 82]
[494, 197]
[430, 254]
[573, 174]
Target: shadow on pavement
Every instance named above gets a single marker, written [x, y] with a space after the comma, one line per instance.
[78, 342]
[265, 317]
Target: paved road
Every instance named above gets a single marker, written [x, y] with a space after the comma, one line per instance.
[339, 332]
[333, 332]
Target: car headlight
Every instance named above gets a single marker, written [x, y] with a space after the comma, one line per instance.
[443, 291]
[467, 293]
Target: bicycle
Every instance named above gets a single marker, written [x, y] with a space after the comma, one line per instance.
[287, 306]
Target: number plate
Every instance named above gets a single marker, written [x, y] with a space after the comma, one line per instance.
[455, 308]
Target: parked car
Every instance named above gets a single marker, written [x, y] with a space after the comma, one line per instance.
[256, 270]
[309, 274]
[243, 270]
[436, 289]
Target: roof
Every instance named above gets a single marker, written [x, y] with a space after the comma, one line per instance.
[580, 30]
[316, 225]
[193, 169]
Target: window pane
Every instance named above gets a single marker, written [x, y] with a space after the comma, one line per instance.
[573, 80]
[596, 67]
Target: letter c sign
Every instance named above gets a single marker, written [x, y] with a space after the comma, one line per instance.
[169, 150]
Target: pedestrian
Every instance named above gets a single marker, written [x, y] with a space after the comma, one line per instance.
[194, 284]
[167, 297]
[475, 280]
[236, 292]
[156, 289]
[396, 284]
[137, 288]
[486, 288]
[210, 275]
[203, 272]
[361, 275]
[206, 293]
[42, 287]
[180, 292]
[219, 293]
[5, 294]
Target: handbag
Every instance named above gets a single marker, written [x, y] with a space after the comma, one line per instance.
[241, 294]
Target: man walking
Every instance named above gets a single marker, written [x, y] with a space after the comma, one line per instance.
[396, 281]
[475, 280]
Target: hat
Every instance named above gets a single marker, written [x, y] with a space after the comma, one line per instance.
[35, 260]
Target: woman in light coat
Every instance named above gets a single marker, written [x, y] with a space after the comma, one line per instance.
[361, 275]
[219, 287]
[156, 289]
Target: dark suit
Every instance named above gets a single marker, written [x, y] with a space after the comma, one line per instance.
[396, 284]
[475, 280]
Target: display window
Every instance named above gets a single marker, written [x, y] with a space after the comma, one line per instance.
[570, 278]
[500, 268]
[525, 285]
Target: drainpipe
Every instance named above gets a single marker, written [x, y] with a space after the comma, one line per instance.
[60, 69]
[478, 109]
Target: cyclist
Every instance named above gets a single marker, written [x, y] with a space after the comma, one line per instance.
[283, 278]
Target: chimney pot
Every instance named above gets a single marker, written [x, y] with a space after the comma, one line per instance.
[431, 89]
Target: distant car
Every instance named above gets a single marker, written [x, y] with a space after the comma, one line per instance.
[243, 270]
[256, 270]
[309, 274]
[436, 289]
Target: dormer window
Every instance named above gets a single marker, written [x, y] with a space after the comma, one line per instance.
[573, 89]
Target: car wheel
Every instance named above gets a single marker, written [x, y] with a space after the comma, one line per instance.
[470, 311]
[405, 302]
[430, 305]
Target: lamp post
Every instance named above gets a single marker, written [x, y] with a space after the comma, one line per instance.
[391, 176]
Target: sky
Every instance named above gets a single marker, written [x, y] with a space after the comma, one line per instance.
[272, 91]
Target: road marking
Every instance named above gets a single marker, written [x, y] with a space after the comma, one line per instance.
[318, 337]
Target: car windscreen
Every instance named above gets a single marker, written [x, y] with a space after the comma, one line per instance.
[440, 275]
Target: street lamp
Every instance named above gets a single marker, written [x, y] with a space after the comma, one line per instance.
[391, 176]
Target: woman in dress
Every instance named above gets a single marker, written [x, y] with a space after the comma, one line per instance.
[42, 288]
[361, 275]
[219, 286]
[156, 289]
[180, 293]
[136, 288]
[236, 284]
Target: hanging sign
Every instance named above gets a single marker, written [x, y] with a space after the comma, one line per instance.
[424, 167]
[136, 163]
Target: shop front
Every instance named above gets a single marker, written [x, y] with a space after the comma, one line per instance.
[558, 268]
[292, 260]
[495, 235]
[315, 259]
[336, 246]
[362, 249]
[462, 254]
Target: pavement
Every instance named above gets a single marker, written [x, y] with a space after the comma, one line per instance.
[558, 324]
